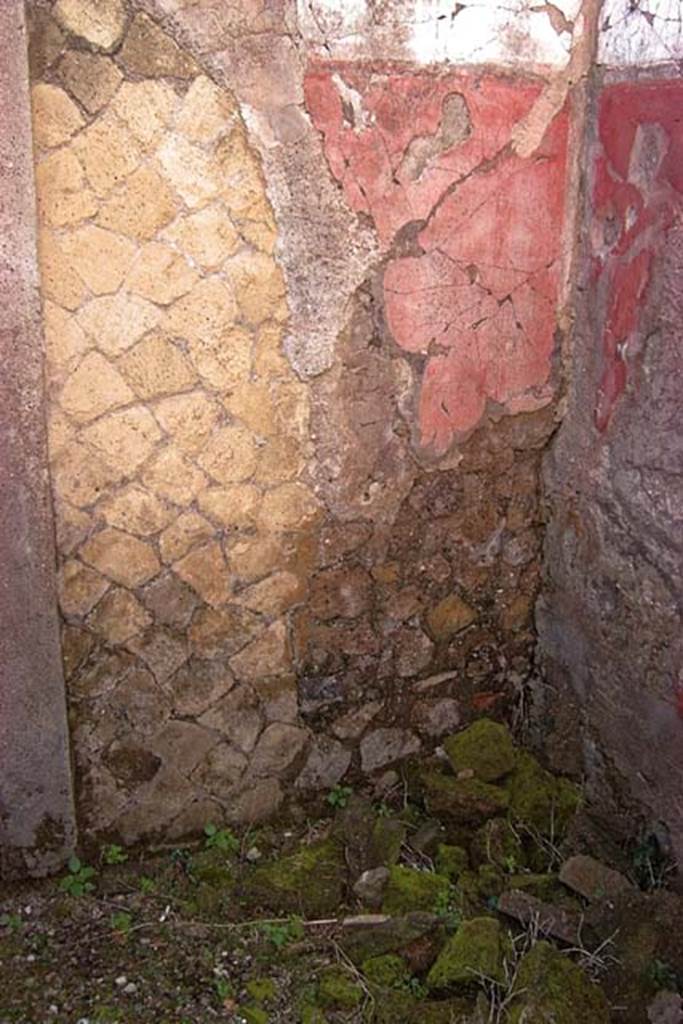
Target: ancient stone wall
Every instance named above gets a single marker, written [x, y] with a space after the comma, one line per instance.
[305, 275]
[609, 621]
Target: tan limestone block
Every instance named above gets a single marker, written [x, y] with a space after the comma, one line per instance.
[207, 111]
[230, 455]
[79, 588]
[149, 52]
[91, 78]
[254, 557]
[100, 22]
[119, 556]
[262, 235]
[289, 507]
[252, 404]
[161, 274]
[193, 173]
[269, 358]
[144, 206]
[125, 439]
[95, 387]
[206, 571]
[268, 655]
[225, 362]
[242, 186]
[72, 526]
[108, 152]
[81, 476]
[233, 507]
[189, 418]
[59, 280]
[280, 459]
[278, 748]
[116, 322]
[448, 617]
[162, 650]
[65, 342]
[147, 109]
[60, 431]
[237, 716]
[204, 314]
[185, 532]
[273, 595]
[155, 366]
[135, 510]
[221, 769]
[258, 285]
[119, 616]
[55, 116]
[220, 633]
[100, 258]
[63, 196]
[207, 236]
[175, 478]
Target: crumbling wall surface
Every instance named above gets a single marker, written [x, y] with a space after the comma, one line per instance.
[609, 620]
[36, 807]
[301, 324]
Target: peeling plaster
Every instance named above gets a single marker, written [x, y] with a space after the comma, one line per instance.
[521, 33]
[641, 32]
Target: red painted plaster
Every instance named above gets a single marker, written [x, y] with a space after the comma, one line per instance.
[637, 194]
[477, 298]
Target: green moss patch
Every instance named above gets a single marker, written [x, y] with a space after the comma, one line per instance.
[409, 889]
[485, 748]
[553, 990]
[476, 951]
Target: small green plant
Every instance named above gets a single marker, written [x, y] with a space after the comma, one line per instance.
[182, 859]
[510, 863]
[114, 854]
[383, 810]
[220, 839]
[339, 796]
[11, 921]
[447, 909]
[282, 933]
[121, 922]
[78, 881]
[147, 884]
[416, 988]
[662, 975]
[224, 990]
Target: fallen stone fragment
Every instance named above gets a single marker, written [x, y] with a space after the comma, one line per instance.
[666, 1008]
[553, 921]
[374, 935]
[592, 879]
[370, 886]
[549, 987]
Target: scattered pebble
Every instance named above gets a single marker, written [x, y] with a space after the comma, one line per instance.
[253, 854]
[121, 981]
[130, 989]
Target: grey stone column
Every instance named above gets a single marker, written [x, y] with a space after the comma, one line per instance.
[37, 825]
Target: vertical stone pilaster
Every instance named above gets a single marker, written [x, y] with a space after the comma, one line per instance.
[37, 826]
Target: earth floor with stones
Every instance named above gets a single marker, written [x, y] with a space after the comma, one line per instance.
[479, 890]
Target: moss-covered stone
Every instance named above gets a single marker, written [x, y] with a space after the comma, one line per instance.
[540, 800]
[451, 861]
[490, 882]
[463, 801]
[388, 971]
[467, 896]
[486, 748]
[476, 950]
[409, 889]
[544, 886]
[388, 835]
[446, 1011]
[553, 990]
[311, 1015]
[392, 1006]
[253, 1015]
[262, 990]
[393, 936]
[338, 991]
[496, 842]
[309, 882]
